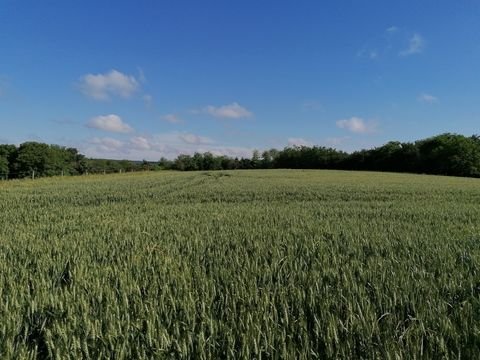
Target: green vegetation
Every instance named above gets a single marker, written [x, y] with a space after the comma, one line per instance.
[33, 160]
[446, 154]
[240, 264]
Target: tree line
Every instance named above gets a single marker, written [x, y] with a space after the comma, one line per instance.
[445, 154]
[33, 159]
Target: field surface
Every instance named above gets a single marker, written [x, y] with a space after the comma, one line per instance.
[242, 264]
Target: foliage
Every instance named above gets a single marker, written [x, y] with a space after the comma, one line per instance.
[445, 154]
[107, 166]
[42, 160]
[240, 264]
[450, 154]
[7, 159]
[3, 167]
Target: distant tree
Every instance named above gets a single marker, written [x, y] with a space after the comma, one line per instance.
[245, 163]
[255, 162]
[197, 162]
[269, 158]
[33, 157]
[208, 162]
[9, 153]
[80, 162]
[165, 164]
[450, 154]
[447, 154]
[184, 163]
[146, 166]
[227, 163]
[126, 165]
[3, 167]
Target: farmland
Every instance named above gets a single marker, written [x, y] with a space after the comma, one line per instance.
[240, 264]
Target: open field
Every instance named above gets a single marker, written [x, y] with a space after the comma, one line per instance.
[241, 264]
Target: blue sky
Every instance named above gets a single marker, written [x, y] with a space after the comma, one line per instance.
[145, 79]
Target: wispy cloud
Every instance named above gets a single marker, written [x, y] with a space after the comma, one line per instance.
[140, 143]
[148, 100]
[366, 53]
[357, 125]
[195, 139]
[373, 54]
[112, 83]
[106, 144]
[427, 98]
[153, 147]
[230, 111]
[416, 45]
[141, 75]
[110, 123]
[172, 118]
[337, 141]
[299, 142]
[311, 105]
[392, 29]
[390, 40]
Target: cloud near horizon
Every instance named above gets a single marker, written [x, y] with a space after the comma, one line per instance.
[230, 111]
[357, 125]
[106, 144]
[110, 123]
[168, 145]
[105, 86]
[299, 142]
[172, 118]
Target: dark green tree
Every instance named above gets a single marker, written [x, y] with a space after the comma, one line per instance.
[3, 167]
[33, 158]
[450, 154]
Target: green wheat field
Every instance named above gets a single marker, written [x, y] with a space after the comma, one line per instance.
[243, 264]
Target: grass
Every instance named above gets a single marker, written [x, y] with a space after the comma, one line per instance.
[241, 264]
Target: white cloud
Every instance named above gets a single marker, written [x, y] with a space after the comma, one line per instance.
[231, 111]
[357, 125]
[106, 144]
[194, 139]
[168, 145]
[392, 29]
[111, 123]
[415, 46]
[140, 143]
[113, 83]
[427, 98]
[337, 141]
[230, 151]
[172, 118]
[299, 142]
